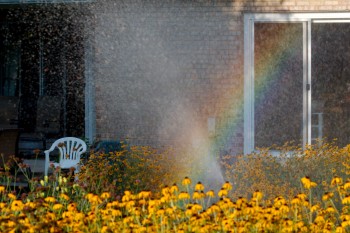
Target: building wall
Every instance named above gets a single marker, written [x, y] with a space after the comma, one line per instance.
[171, 71]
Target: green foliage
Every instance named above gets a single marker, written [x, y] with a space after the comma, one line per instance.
[130, 168]
[280, 174]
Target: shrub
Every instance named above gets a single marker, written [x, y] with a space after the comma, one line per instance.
[281, 174]
[306, 191]
[131, 168]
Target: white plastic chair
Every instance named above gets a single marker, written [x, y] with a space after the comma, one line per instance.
[70, 150]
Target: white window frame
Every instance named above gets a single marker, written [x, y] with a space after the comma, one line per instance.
[306, 19]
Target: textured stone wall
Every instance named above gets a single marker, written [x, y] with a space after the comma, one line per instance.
[165, 70]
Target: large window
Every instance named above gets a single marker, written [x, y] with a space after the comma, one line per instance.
[42, 74]
[297, 79]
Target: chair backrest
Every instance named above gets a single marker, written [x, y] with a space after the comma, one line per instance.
[49, 111]
[70, 150]
[9, 111]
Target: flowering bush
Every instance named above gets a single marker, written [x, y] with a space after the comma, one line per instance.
[184, 208]
[319, 200]
[131, 168]
[280, 174]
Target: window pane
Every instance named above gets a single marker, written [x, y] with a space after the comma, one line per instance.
[278, 82]
[331, 81]
[9, 62]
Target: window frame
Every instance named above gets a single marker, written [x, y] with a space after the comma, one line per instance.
[306, 19]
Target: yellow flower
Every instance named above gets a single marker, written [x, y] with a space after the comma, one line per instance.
[241, 201]
[144, 194]
[346, 200]
[89, 196]
[196, 195]
[284, 208]
[165, 191]
[116, 213]
[302, 196]
[64, 196]
[196, 207]
[112, 204]
[30, 204]
[105, 195]
[222, 192]
[12, 196]
[186, 181]
[2, 189]
[345, 224]
[188, 212]
[50, 199]
[296, 201]
[17, 205]
[227, 186]
[308, 184]
[319, 219]
[210, 193]
[105, 229]
[347, 185]
[72, 207]
[330, 209]
[11, 224]
[184, 195]
[199, 187]
[258, 195]
[174, 188]
[2, 205]
[161, 212]
[336, 181]
[57, 206]
[130, 204]
[95, 200]
[279, 201]
[327, 196]
[170, 210]
[214, 209]
[314, 208]
[340, 230]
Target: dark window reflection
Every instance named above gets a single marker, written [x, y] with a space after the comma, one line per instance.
[278, 65]
[42, 70]
[331, 82]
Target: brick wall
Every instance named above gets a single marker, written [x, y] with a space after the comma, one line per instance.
[163, 68]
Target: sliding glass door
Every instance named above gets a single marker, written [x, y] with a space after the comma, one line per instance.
[297, 79]
[331, 82]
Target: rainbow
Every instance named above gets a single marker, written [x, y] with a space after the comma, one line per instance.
[273, 47]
